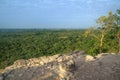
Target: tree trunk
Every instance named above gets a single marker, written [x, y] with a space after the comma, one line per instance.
[101, 43]
[119, 45]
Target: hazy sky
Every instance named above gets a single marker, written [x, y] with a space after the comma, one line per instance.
[53, 13]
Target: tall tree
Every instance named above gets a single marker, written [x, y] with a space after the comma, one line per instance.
[106, 24]
[118, 28]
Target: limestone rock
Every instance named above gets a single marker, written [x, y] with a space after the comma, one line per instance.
[71, 66]
[66, 69]
[1, 77]
[89, 58]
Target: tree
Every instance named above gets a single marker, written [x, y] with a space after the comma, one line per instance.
[106, 24]
[100, 36]
[117, 15]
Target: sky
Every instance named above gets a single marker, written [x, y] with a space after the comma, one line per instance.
[54, 13]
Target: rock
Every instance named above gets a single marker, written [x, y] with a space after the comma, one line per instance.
[20, 75]
[73, 66]
[60, 59]
[42, 63]
[11, 76]
[20, 63]
[66, 69]
[101, 55]
[1, 77]
[89, 58]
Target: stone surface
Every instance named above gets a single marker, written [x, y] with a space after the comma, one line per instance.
[1, 77]
[89, 58]
[66, 69]
[71, 66]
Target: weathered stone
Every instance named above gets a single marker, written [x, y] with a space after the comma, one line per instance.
[1, 77]
[20, 75]
[89, 58]
[74, 66]
[20, 63]
[66, 69]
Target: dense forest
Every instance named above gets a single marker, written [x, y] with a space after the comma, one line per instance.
[28, 43]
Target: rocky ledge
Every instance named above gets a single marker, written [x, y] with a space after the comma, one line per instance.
[71, 66]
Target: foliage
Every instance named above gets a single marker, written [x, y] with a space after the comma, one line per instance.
[24, 44]
[107, 33]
